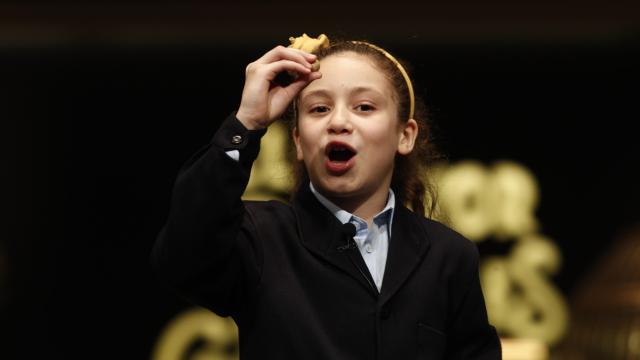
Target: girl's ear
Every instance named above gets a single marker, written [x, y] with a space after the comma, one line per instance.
[408, 137]
[296, 140]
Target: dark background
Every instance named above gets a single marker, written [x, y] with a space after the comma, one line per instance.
[102, 102]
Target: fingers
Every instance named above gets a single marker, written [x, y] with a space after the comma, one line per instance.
[263, 100]
[281, 97]
[270, 71]
[280, 52]
[278, 60]
[301, 82]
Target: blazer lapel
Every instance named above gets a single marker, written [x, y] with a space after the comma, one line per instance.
[320, 232]
[407, 247]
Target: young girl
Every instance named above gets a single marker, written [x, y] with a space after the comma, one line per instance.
[299, 280]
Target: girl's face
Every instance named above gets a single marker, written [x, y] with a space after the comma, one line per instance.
[348, 131]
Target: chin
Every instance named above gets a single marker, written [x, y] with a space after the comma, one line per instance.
[338, 187]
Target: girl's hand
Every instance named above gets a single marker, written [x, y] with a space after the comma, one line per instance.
[263, 101]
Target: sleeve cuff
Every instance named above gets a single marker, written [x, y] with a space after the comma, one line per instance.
[232, 135]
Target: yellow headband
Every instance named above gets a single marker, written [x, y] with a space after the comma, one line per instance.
[402, 70]
[311, 45]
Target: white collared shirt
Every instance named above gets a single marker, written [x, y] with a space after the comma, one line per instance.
[373, 243]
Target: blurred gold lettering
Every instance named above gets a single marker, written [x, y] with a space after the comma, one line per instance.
[480, 201]
[219, 337]
[499, 201]
[462, 191]
[520, 300]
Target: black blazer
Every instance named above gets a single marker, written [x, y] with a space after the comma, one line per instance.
[284, 275]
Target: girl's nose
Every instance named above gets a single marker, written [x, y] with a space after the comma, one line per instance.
[340, 121]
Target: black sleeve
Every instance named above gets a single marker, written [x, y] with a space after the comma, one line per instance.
[472, 337]
[208, 248]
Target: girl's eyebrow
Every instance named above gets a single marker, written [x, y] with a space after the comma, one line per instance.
[318, 92]
[361, 89]
[355, 91]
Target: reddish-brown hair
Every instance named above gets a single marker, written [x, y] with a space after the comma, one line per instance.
[409, 182]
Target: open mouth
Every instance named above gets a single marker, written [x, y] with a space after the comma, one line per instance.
[339, 152]
[340, 158]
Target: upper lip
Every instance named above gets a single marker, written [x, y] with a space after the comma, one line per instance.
[338, 145]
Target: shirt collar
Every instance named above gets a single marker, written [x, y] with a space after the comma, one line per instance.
[384, 216]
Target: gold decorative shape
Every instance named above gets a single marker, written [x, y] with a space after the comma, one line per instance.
[463, 198]
[480, 201]
[499, 202]
[536, 310]
[197, 325]
[523, 349]
[271, 174]
[310, 45]
[515, 195]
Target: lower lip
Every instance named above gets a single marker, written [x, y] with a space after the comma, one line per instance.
[339, 167]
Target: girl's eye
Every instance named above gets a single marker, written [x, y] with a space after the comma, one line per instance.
[365, 107]
[319, 109]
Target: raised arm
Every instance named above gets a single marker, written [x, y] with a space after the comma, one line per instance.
[209, 249]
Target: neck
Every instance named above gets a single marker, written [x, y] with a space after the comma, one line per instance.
[364, 206]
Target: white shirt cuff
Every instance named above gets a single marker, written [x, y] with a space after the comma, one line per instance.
[234, 154]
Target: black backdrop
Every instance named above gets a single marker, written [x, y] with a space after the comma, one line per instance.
[96, 133]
